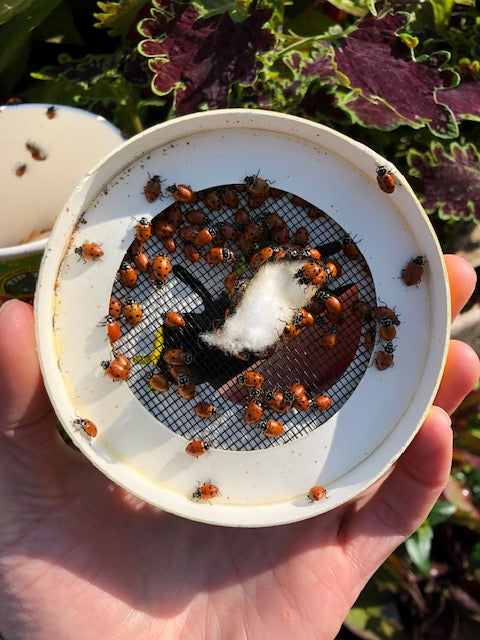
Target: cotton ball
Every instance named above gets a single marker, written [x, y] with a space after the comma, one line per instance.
[268, 305]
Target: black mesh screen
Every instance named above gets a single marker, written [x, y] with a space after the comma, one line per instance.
[196, 290]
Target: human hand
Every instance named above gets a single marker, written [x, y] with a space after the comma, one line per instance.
[81, 559]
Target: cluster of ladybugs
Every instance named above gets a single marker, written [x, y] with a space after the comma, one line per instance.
[192, 227]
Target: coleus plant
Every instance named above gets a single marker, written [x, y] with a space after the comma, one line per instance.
[401, 77]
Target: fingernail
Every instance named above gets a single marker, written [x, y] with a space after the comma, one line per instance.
[9, 303]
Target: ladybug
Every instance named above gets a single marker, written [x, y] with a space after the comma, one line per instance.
[113, 329]
[230, 198]
[301, 403]
[163, 229]
[158, 382]
[257, 187]
[197, 217]
[332, 303]
[384, 359]
[51, 112]
[114, 308]
[271, 428]
[142, 262]
[153, 188]
[186, 391]
[385, 180]
[303, 318]
[87, 426]
[143, 230]
[316, 493]
[89, 251]
[174, 320]
[298, 390]
[333, 269]
[182, 193]
[255, 201]
[212, 200]
[188, 232]
[229, 232]
[349, 248]
[298, 201]
[20, 170]
[127, 275]
[274, 221]
[312, 253]
[322, 402]
[205, 491]
[132, 312]
[260, 257]
[281, 235]
[216, 255]
[387, 330]
[241, 218]
[197, 448]
[177, 356]
[361, 310]
[35, 152]
[413, 272]
[253, 413]
[115, 370]
[204, 236]
[329, 339]
[301, 236]
[291, 331]
[311, 273]
[279, 253]
[383, 313]
[161, 267]
[174, 214]
[251, 379]
[180, 373]
[277, 402]
[123, 360]
[191, 252]
[206, 410]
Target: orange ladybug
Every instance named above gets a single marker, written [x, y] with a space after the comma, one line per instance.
[212, 200]
[251, 379]
[216, 255]
[257, 187]
[191, 252]
[229, 197]
[206, 410]
[174, 320]
[127, 275]
[413, 272]
[253, 413]
[158, 382]
[113, 329]
[161, 267]
[316, 493]
[143, 230]
[115, 370]
[196, 217]
[153, 189]
[186, 391]
[385, 180]
[89, 251]
[349, 248]
[115, 308]
[142, 262]
[177, 356]
[123, 360]
[183, 193]
[387, 330]
[384, 359]
[204, 237]
[271, 428]
[87, 426]
[361, 310]
[197, 448]
[132, 312]
[260, 257]
[322, 402]
[205, 491]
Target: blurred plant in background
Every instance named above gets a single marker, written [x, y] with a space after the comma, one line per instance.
[401, 77]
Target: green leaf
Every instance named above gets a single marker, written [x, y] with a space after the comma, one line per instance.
[441, 511]
[418, 547]
[441, 12]
[9, 10]
[238, 9]
[15, 33]
[117, 17]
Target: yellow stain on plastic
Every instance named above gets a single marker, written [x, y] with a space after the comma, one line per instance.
[152, 358]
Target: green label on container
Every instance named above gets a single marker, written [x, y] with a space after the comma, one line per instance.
[19, 277]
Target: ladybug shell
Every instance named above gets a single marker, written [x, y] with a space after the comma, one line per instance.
[260, 257]
[196, 217]
[123, 360]
[385, 180]
[169, 244]
[133, 313]
[153, 188]
[253, 379]
[230, 198]
[177, 356]
[143, 230]
[212, 200]
[191, 252]
[272, 428]
[184, 193]
[360, 309]
[174, 214]
[214, 255]
[174, 320]
[203, 237]
[186, 391]
[90, 251]
[301, 236]
[205, 410]
[116, 371]
[316, 493]
[206, 491]
[161, 268]
[163, 229]
[127, 275]
[87, 426]
[196, 448]
[115, 308]
[323, 402]
[383, 360]
[413, 272]
[253, 413]
[188, 232]
[158, 382]
[113, 329]
[142, 262]
[229, 232]
[301, 403]
[329, 340]
[387, 330]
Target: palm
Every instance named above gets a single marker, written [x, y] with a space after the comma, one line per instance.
[82, 559]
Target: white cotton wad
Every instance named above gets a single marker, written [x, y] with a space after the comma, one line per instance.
[269, 303]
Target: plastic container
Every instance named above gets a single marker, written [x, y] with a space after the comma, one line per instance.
[63, 144]
[142, 434]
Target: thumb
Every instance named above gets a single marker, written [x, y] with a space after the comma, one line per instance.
[28, 419]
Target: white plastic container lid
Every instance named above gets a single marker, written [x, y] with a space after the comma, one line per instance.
[142, 449]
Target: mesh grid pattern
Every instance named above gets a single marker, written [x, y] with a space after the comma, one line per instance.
[196, 290]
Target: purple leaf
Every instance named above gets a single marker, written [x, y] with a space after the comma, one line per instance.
[450, 181]
[464, 100]
[199, 59]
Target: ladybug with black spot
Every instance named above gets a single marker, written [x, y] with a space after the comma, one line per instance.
[87, 426]
[257, 187]
[177, 356]
[253, 413]
[127, 275]
[206, 410]
[182, 193]
[132, 312]
[153, 188]
[206, 491]
[161, 268]
[197, 448]
[413, 272]
[89, 251]
[384, 359]
[251, 379]
[316, 493]
[385, 180]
